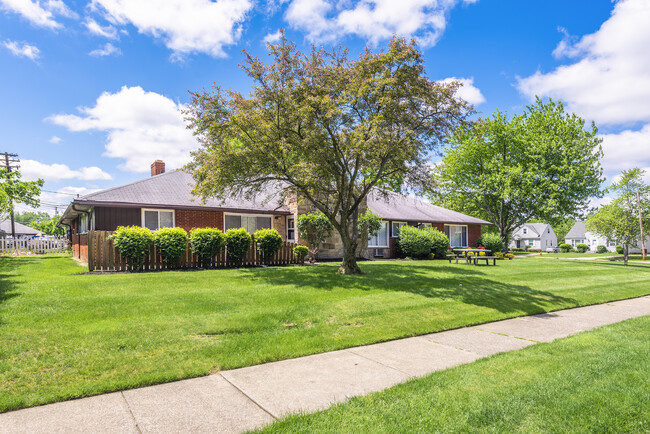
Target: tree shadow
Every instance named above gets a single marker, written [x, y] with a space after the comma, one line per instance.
[464, 283]
[7, 279]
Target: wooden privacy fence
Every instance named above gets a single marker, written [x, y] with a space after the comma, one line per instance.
[24, 245]
[103, 256]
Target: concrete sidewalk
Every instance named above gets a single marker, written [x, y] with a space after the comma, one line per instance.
[247, 398]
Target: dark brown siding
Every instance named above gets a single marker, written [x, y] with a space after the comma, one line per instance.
[108, 219]
[190, 219]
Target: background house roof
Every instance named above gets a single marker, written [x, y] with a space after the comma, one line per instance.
[5, 226]
[578, 230]
[395, 206]
[535, 230]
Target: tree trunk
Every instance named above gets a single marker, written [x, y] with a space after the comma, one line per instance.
[638, 202]
[625, 250]
[349, 264]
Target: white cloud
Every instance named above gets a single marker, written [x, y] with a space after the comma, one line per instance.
[56, 140]
[374, 20]
[95, 28]
[41, 14]
[22, 49]
[107, 50]
[185, 26]
[626, 150]
[58, 200]
[32, 170]
[141, 127]
[273, 38]
[467, 91]
[607, 79]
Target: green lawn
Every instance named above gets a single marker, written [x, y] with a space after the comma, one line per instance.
[64, 334]
[574, 255]
[596, 381]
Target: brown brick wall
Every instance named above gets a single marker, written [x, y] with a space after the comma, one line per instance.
[473, 234]
[190, 219]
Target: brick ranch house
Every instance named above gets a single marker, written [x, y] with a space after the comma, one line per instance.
[165, 200]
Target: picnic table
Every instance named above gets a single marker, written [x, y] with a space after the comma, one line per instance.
[464, 254]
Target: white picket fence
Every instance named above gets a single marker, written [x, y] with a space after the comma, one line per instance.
[51, 245]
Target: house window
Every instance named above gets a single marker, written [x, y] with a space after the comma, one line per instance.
[457, 235]
[381, 239]
[525, 231]
[396, 226]
[153, 219]
[291, 229]
[424, 225]
[611, 243]
[249, 222]
[83, 224]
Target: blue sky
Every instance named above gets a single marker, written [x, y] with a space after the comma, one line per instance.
[91, 90]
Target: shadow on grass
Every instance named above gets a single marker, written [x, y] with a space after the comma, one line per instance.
[7, 279]
[465, 284]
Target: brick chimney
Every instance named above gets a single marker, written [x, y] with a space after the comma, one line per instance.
[157, 167]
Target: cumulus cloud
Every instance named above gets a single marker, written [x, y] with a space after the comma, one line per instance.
[107, 50]
[607, 77]
[56, 140]
[272, 38]
[108, 31]
[626, 150]
[374, 20]
[185, 26]
[141, 127]
[41, 14]
[467, 91]
[32, 169]
[22, 49]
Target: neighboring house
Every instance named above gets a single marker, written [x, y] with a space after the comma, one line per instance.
[22, 231]
[579, 235]
[535, 235]
[166, 200]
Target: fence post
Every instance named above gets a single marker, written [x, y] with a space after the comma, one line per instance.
[91, 252]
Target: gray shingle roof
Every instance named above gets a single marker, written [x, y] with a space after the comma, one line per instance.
[577, 231]
[5, 226]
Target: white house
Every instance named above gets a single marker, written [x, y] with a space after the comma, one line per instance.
[535, 235]
[579, 235]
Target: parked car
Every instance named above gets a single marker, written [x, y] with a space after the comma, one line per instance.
[555, 249]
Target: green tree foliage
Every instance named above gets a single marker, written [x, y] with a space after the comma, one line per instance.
[314, 227]
[48, 226]
[206, 243]
[28, 217]
[300, 252]
[541, 164]
[13, 191]
[328, 127]
[268, 242]
[133, 243]
[491, 242]
[369, 224]
[171, 243]
[619, 220]
[238, 242]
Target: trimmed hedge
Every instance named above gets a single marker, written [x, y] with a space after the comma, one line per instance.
[269, 243]
[582, 248]
[133, 243]
[601, 249]
[171, 243]
[414, 243]
[566, 248]
[237, 243]
[206, 243]
[300, 252]
[439, 243]
[491, 242]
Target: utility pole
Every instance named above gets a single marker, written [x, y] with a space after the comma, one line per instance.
[9, 160]
[638, 202]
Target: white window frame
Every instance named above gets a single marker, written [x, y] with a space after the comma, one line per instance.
[158, 210]
[289, 217]
[387, 238]
[524, 230]
[466, 231]
[271, 216]
[401, 224]
[423, 225]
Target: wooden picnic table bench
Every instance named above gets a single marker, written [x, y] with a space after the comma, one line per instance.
[487, 259]
[451, 257]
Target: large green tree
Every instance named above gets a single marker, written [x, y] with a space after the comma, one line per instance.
[13, 191]
[624, 218]
[541, 164]
[328, 127]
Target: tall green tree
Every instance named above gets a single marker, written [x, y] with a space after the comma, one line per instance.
[13, 191]
[624, 218]
[541, 164]
[328, 127]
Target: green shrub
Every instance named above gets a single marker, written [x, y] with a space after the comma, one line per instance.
[620, 250]
[499, 255]
[491, 242]
[517, 249]
[237, 243]
[582, 248]
[534, 250]
[206, 243]
[268, 242]
[171, 243]
[369, 223]
[414, 243]
[566, 248]
[439, 243]
[300, 252]
[133, 243]
[314, 227]
[601, 249]
[526, 247]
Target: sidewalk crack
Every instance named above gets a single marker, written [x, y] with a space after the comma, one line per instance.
[135, 422]
[248, 396]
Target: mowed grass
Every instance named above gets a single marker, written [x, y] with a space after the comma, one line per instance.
[64, 334]
[595, 381]
[573, 255]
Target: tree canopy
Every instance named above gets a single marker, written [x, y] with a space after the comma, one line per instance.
[13, 191]
[541, 164]
[328, 128]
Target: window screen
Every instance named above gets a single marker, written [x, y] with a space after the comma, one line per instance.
[233, 222]
[381, 239]
[151, 220]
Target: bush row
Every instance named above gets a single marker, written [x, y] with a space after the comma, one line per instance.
[134, 242]
[422, 243]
